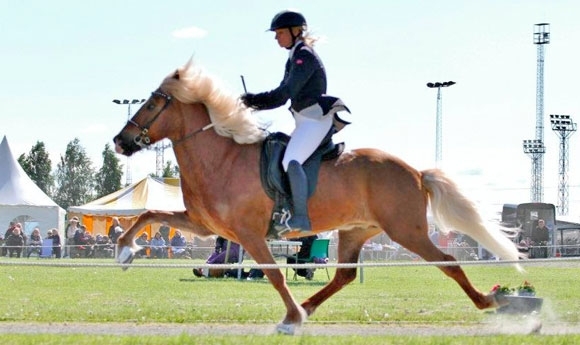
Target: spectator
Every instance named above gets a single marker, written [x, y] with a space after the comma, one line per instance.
[69, 234]
[143, 242]
[179, 245]
[8, 232]
[34, 243]
[104, 247]
[540, 237]
[164, 229]
[219, 257]
[112, 229]
[56, 242]
[84, 243]
[116, 234]
[158, 247]
[304, 254]
[15, 242]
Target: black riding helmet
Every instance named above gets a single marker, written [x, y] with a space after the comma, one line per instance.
[287, 19]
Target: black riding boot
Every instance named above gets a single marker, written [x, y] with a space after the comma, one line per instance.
[299, 220]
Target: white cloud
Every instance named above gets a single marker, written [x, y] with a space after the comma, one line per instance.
[190, 32]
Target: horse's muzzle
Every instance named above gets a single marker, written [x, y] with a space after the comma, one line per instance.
[125, 146]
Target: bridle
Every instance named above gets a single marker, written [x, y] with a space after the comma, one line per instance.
[142, 139]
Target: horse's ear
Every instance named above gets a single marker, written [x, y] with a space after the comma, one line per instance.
[176, 74]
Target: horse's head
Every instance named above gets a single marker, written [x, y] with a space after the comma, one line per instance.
[136, 134]
[209, 107]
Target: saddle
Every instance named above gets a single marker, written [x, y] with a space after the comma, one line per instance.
[274, 179]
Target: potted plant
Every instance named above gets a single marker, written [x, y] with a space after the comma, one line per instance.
[526, 289]
[519, 300]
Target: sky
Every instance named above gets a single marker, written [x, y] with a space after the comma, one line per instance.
[63, 62]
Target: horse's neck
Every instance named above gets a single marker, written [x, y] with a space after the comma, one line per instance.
[205, 155]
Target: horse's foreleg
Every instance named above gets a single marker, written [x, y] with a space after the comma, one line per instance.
[126, 242]
[349, 246]
[295, 315]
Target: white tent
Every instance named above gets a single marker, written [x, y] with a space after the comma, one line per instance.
[128, 203]
[21, 200]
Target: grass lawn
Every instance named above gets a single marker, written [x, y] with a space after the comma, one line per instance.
[390, 295]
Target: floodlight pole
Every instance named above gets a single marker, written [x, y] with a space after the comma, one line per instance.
[439, 120]
[128, 178]
[535, 149]
[564, 128]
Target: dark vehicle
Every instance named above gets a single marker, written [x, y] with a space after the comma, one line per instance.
[525, 217]
[568, 240]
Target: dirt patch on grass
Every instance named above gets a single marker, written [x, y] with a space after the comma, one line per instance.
[516, 326]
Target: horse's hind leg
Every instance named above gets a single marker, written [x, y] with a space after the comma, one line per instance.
[349, 245]
[419, 243]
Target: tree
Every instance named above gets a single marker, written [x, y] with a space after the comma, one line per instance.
[108, 178]
[75, 177]
[38, 167]
[170, 170]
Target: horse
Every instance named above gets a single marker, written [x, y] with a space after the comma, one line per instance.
[361, 193]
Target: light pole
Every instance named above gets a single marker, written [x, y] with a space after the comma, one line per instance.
[564, 127]
[128, 178]
[535, 149]
[439, 125]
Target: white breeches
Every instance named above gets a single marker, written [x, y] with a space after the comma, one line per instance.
[305, 138]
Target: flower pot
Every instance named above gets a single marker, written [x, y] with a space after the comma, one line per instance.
[521, 305]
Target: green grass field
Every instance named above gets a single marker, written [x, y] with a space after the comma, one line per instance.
[409, 296]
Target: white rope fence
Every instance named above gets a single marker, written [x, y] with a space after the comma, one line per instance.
[235, 266]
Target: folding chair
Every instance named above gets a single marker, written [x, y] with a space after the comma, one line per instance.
[46, 249]
[319, 250]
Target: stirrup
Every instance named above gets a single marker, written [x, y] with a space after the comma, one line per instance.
[281, 221]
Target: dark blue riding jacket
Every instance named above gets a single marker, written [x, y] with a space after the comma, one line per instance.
[304, 82]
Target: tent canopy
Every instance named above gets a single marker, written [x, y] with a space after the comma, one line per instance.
[21, 199]
[147, 194]
[128, 203]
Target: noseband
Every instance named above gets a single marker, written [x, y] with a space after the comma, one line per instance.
[142, 139]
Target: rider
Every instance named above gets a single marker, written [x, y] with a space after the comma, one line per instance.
[314, 112]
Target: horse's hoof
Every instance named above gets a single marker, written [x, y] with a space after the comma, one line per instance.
[286, 328]
[126, 257]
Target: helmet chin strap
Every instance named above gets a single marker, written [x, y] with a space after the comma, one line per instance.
[294, 37]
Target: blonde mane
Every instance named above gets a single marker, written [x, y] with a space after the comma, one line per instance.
[191, 84]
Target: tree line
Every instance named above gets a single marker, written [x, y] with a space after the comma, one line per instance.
[76, 181]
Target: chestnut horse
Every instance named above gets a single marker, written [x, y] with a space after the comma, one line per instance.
[362, 193]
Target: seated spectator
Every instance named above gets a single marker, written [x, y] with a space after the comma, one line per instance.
[56, 244]
[8, 232]
[304, 254]
[84, 243]
[113, 228]
[116, 234]
[104, 247]
[179, 246]
[34, 243]
[14, 243]
[157, 246]
[219, 256]
[143, 242]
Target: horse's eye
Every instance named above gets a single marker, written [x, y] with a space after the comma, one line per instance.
[150, 106]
